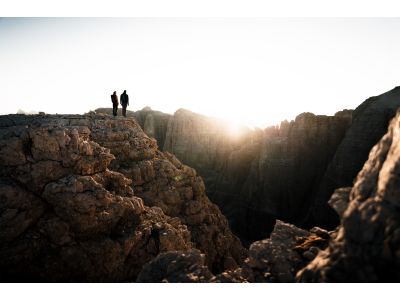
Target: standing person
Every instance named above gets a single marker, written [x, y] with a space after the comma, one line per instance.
[124, 99]
[114, 100]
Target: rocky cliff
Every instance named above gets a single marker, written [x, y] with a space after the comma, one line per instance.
[154, 123]
[258, 175]
[288, 165]
[367, 246]
[369, 124]
[91, 198]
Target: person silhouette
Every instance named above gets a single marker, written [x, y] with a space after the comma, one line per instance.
[124, 99]
[114, 100]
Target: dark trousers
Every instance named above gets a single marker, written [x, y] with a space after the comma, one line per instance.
[115, 109]
[124, 110]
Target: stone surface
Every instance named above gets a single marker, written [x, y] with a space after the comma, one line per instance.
[68, 210]
[370, 123]
[64, 216]
[176, 267]
[340, 200]
[367, 245]
[254, 176]
[278, 258]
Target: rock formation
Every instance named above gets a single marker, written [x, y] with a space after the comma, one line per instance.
[289, 164]
[154, 123]
[276, 259]
[68, 210]
[370, 122]
[177, 267]
[367, 246]
[259, 175]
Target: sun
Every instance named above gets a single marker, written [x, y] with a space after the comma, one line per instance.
[234, 128]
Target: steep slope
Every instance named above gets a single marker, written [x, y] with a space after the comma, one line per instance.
[64, 216]
[259, 175]
[370, 122]
[288, 166]
[367, 247]
[154, 123]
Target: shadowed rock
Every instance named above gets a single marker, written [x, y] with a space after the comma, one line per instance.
[258, 175]
[69, 214]
[176, 267]
[370, 123]
[366, 248]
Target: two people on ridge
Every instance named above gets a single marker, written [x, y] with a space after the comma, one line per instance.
[124, 100]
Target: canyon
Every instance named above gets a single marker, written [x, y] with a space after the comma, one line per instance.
[285, 172]
[97, 198]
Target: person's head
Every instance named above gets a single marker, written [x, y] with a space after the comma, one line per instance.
[124, 91]
[115, 92]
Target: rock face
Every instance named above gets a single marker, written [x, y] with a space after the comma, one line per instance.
[370, 122]
[68, 210]
[199, 141]
[177, 267]
[258, 175]
[278, 258]
[154, 123]
[367, 247]
[288, 166]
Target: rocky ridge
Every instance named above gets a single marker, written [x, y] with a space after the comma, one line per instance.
[366, 248]
[91, 198]
[254, 177]
[369, 124]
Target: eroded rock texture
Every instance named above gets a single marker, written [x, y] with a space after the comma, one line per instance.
[288, 166]
[370, 123]
[367, 247]
[278, 258]
[68, 211]
[176, 267]
[258, 175]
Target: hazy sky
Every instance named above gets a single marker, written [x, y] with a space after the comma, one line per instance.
[257, 71]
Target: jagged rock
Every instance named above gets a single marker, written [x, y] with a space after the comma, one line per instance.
[64, 216]
[177, 267]
[254, 177]
[161, 180]
[60, 201]
[278, 258]
[288, 166]
[367, 246]
[370, 123]
[154, 123]
[340, 200]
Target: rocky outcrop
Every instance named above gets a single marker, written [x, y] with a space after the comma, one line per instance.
[367, 246]
[68, 210]
[205, 144]
[154, 123]
[64, 215]
[176, 267]
[288, 166]
[370, 123]
[278, 258]
[259, 175]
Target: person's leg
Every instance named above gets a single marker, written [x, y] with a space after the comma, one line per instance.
[114, 110]
[124, 110]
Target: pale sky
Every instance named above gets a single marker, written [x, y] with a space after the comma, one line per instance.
[256, 71]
